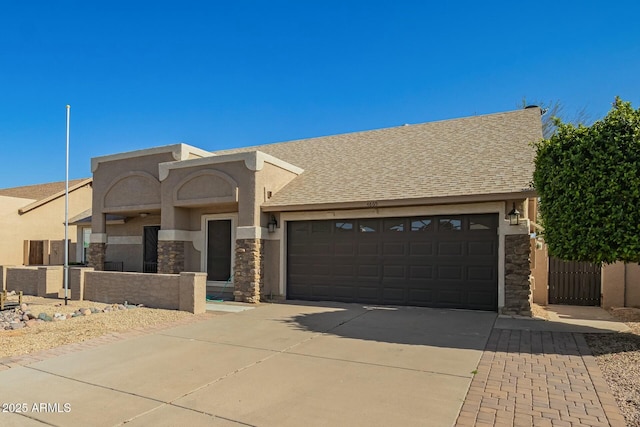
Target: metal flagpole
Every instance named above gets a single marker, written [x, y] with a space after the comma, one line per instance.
[66, 219]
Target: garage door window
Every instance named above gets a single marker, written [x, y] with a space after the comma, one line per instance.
[481, 223]
[394, 225]
[421, 224]
[450, 224]
[368, 226]
[344, 226]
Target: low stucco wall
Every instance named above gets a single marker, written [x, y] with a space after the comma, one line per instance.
[184, 291]
[621, 285]
[39, 281]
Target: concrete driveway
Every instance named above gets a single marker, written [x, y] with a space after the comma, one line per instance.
[276, 365]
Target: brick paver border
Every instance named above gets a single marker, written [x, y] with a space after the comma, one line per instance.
[27, 359]
[529, 378]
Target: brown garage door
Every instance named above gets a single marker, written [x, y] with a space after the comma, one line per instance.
[432, 261]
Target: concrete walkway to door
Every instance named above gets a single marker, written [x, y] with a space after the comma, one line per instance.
[276, 365]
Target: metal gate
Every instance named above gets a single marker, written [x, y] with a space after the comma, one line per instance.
[574, 282]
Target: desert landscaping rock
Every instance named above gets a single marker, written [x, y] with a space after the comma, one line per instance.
[106, 319]
[618, 356]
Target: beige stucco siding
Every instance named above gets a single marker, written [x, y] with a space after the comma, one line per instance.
[222, 187]
[45, 222]
[127, 186]
[621, 285]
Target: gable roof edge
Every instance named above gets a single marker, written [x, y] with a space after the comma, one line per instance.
[46, 200]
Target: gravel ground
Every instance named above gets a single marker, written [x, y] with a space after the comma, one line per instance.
[618, 356]
[47, 335]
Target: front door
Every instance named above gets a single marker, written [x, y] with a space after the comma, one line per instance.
[151, 249]
[219, 250]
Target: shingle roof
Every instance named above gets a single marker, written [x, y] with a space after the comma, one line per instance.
[488, 154]
[39, 191]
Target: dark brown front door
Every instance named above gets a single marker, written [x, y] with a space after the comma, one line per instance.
[219, 250]
[151, 249]
[433, 261]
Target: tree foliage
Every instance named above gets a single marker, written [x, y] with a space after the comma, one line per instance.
[588, 181]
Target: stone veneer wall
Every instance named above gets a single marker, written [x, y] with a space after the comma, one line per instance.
[96, 256]
[517, 272]
[170, 257]
[248, 270]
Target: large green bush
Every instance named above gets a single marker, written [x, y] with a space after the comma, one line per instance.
[588, 180]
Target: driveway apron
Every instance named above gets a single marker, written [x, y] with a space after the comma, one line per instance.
[276, 365]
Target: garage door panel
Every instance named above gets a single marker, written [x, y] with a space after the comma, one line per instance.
[344, 270]
[420, 248]
[421, 272]
[394, 295]
[345, 291]
[424, 297]
[481, 248]
[480, 272]
[368, 248]
[450, 272]
[371, 271]
[393, 272]
[481, 299]
[393, 248]
[319, 291]
[342, 249]
[450, 248]
[368, 293]
[433, 261]
[450, 298]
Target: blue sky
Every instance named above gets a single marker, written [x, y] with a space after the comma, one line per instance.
[220, 74]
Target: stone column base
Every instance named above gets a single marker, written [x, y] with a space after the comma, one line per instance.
[96, 256]
[248, 277]
[170, 257]
[517, 271]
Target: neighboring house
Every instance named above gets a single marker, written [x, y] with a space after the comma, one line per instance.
[410, 215]
[32, 222]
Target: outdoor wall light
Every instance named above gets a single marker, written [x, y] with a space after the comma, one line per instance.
[514, 216]
[272, 224]
[143, 214]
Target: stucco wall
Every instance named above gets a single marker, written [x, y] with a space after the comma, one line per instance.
[126, 185]
[23, 279]
[39, 281]
[540, 273]
[186, 291]
[45, 222]
[621, 285]
[180, 218]
[272, 269]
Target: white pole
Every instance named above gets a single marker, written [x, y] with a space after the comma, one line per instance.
[66, 218]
